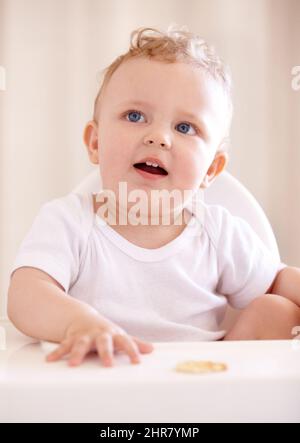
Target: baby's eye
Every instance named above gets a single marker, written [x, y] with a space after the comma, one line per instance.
[133, 115]
[186, 126]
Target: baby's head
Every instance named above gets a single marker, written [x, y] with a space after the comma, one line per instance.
[167, 99]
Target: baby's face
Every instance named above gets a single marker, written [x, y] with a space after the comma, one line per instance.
[173, 112]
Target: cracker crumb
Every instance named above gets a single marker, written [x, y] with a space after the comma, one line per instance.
[200, 367]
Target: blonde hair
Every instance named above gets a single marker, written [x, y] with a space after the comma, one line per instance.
[177, 44]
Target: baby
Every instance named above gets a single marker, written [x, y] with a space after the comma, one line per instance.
[97, 272]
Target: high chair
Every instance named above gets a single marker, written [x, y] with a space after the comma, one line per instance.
[260, 384]
[226, 191]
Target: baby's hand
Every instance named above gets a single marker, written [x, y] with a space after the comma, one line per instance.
[102, 336]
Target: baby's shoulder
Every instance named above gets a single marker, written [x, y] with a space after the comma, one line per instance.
[217, 220]
[73, 209]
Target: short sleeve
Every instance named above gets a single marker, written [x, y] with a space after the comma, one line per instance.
[246, 267]
[54, 242]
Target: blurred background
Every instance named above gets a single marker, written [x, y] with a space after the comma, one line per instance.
[52, 52]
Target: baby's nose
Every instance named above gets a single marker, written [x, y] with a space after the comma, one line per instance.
[159, 142]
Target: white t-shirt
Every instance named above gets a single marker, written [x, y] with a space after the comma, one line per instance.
[178, 292]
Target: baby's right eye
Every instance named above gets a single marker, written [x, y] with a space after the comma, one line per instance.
[135, 115]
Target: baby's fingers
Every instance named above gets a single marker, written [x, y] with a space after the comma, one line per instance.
[105, 348]
[80, 348]
[144, 347]
[62, 349]
[129, 346]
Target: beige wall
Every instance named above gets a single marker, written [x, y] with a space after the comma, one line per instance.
[52, 50]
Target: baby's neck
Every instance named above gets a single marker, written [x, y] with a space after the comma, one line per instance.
[148, 236]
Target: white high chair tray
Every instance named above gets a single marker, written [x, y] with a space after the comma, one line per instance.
[262, 384]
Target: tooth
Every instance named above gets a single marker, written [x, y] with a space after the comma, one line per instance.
[151, 164]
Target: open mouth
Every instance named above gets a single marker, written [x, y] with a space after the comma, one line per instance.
[157, 170]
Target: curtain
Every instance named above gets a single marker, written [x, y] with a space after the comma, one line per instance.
[52, 52]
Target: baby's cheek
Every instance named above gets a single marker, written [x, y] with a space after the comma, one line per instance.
[188, 175]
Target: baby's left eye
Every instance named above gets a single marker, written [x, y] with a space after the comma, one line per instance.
[186, 125]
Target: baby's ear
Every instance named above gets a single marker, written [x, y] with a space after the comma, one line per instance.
[90, 138]
[218, 165]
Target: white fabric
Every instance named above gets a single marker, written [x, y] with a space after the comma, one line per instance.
[178, 292]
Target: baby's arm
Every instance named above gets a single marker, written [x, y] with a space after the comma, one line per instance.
[39, 307]
[287, 284]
